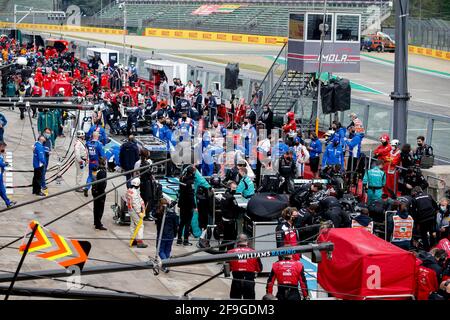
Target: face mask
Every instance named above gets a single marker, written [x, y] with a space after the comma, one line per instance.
[443, 208]
[420, 144]
[184, 118]
[384, 143]
[47, 135]
[233, 192]
[246, 123]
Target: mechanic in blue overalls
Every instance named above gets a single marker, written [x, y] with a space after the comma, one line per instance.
[96, 151]
[210, 154]
[162, 131]
[3, 165]
[334, 154]
[185, 127]
[97, 127]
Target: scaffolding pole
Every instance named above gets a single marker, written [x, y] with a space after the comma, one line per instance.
[175, 262]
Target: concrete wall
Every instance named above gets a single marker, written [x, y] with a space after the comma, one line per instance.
[439, 179]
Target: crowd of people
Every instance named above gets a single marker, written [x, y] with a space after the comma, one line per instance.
[387, 190]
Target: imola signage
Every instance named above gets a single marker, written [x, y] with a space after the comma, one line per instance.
[336, 57]
[341, 45]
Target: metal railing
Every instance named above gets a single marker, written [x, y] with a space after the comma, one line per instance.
[430, 33]
[277, 68]
[377, 119]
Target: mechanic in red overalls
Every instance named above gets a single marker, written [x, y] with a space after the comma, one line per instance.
[391, 161]
[291, 125]
[289, 274]
[244, 271]
[383, 150]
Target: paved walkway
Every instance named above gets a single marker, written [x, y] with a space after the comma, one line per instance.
[111, 245]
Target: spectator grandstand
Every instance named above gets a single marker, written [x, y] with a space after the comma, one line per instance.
[251, 17]
[262, 17]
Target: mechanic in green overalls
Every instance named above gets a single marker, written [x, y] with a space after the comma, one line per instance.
[374, 180]
[11, 89]
[245, 186]
[46, 120]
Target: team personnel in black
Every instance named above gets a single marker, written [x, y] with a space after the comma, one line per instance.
[423, 211]
[306, 217]
[98, 190]
[331, 209]
[186, 203]
[230, 212]
[289, 274]
[288, 170]
[244, 271]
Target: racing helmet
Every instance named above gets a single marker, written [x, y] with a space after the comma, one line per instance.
[136, 182]
[385, 138]
[404, 200]
[329, 133]
[318, 196]
[290, 115]
[81, 134]
[395, 143]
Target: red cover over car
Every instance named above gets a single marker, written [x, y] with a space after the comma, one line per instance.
[364, 265]
[61, 84]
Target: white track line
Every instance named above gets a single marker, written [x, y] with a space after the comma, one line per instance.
[9, 175]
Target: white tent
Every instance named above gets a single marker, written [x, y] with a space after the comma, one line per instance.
[171, 69]
[107, 55]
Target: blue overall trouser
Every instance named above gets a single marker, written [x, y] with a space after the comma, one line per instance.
[3, 192]
[90, 177]
[44, 171]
